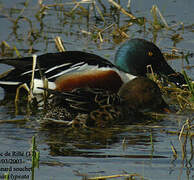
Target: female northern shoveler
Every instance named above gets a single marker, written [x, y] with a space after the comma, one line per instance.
[75, 69]
[95, 107]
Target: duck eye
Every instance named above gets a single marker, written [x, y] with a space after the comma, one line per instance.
[150, 53]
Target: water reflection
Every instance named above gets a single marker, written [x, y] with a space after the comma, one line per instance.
[83, 139]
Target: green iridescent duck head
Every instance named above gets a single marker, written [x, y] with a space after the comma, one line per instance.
[135, 55]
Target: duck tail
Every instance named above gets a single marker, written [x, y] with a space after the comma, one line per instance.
[9, 78]
[18, 63]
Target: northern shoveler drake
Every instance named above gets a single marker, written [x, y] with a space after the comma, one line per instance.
[98, 107]
[74, 69]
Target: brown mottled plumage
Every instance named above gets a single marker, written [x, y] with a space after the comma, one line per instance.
[97, 107]
[141, 94]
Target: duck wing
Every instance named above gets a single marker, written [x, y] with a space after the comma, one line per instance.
[51, 65]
